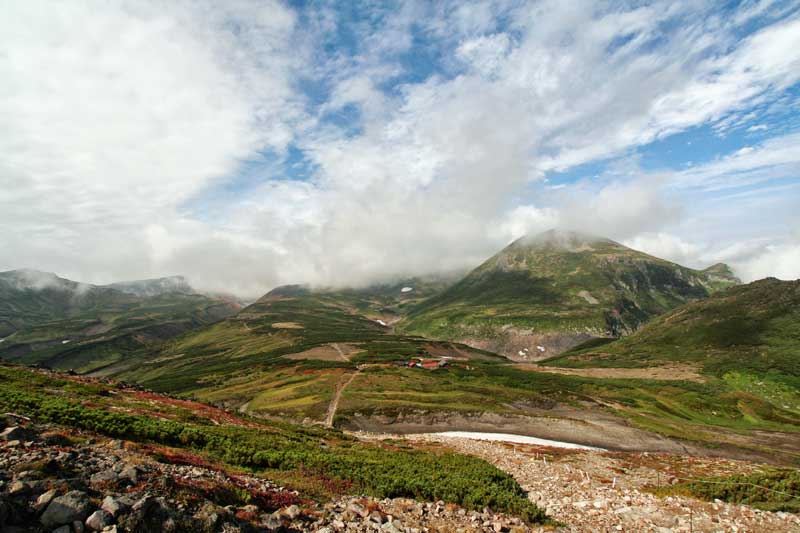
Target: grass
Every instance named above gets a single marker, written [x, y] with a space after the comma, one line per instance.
[776, 489]
[267, 447]
[752, 328]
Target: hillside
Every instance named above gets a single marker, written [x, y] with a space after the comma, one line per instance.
[177, 465]
[286, 353]
[29, 297]
[753, 328]
[303, 355]
[542, 295]
[66, 324]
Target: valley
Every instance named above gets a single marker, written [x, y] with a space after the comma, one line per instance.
[560, 337]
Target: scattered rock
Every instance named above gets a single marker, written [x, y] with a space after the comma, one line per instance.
[65, 509]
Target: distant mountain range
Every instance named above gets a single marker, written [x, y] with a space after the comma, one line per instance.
[55, 321]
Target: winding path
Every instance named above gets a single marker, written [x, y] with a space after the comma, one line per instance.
[336, 397]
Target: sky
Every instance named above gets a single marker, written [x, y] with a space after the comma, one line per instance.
[250, 144]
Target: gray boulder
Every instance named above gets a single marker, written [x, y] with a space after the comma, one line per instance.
[115, 506]
[65, 509]
[99, 520]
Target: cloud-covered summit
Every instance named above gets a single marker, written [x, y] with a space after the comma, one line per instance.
[252, 144]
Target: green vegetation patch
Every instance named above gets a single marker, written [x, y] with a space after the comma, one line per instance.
[377, 470]
[772, 490]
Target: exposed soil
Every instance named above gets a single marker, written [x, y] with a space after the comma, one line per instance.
[334, 405]
[661, 373]
[287, 325]
[326, 352]
[589, 426]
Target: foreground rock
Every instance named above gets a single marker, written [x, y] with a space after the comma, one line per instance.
[606, 491]
[71, 482]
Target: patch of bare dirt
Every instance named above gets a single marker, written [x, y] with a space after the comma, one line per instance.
[287, 325]
[661, 373]
[326, 352]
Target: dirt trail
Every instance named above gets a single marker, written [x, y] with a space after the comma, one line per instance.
[341, 353]
[334, 405]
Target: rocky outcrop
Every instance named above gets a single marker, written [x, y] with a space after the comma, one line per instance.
[55, 482]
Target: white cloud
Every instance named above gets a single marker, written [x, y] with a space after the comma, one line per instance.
[122, 128]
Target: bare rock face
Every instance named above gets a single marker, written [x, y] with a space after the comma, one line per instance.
[99, 520]
[66, 509]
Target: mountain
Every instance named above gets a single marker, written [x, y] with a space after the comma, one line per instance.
[542, 295]
[66, 324]
[752, 329]
[29, 297]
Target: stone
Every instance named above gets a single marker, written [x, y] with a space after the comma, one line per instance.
[357, 510]
[14, 433]
[44, 500]
[114, 506]
[18, 487]
[104, 477]
[392, 527]
[65, 509]
[77, 526]
[273, 521]
[291, 512]
[131, 473]
[99, 520]
[62, 529]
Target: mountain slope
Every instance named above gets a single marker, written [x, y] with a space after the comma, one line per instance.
[751, 328]
[65, 324]
[29, 297]
[542, 295]
[285, 354]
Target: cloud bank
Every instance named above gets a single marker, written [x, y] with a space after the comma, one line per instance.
[252, 144]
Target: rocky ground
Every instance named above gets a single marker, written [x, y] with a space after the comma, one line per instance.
[52, 480]
[607, 491]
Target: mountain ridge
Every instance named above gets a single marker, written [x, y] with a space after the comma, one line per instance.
[543, 294]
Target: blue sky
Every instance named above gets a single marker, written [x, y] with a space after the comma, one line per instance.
[257, 143]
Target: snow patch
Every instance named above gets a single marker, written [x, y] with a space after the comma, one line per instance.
[407, 289]
[381, 322]
[519, 439]
[541, 348]
[65, 341]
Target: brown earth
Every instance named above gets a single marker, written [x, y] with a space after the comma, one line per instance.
[591, 426]
[326, 352]
[287, 325]
[665, 373]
